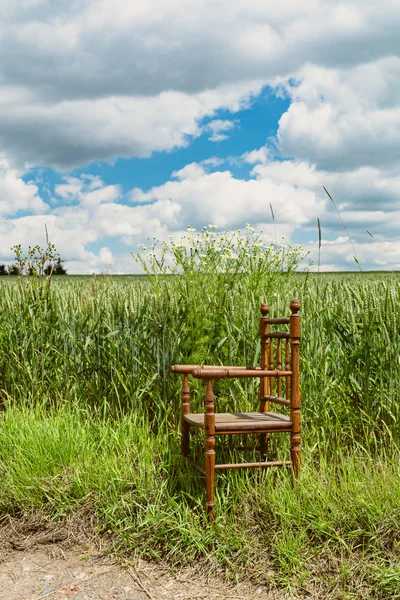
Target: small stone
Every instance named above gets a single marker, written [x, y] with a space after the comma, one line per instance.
[47, 590]
[259, 591]
[25, 568]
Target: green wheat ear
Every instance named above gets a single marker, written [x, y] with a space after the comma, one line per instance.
[319, 242]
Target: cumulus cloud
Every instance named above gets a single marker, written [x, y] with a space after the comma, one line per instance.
[198, 197]
[88, 190]
[344, 118]
[89, 80]
[260, 155]
[69, 232]
[98, 49]
[15, 194]
[219, 129]
[367, 197]
[338, 255]
[70, 133]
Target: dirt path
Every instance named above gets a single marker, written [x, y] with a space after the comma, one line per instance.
[60, 574]
[41, 559]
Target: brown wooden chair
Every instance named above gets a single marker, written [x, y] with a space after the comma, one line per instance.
[279, 384]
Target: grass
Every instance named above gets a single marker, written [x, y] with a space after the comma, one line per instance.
[91, 411]
[338, 528]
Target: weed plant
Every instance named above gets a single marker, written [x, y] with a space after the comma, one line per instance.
[91, 411]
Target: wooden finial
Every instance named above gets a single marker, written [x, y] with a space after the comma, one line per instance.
[264, 309]
[295, 306]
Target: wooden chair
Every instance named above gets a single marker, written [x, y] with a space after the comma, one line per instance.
[279, 384]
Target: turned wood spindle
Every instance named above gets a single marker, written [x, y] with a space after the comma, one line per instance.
[279, 365]
[209, 456]
[264, 383]
[185, 410]
[271, 366]
[264, 330]
[295, 437]
[287, 368]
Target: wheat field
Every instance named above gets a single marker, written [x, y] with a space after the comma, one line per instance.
[90, 417]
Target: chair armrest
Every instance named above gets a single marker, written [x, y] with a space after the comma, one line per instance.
[237, 372]
[183, 369]
[187, 369]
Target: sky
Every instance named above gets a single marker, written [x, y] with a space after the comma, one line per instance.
[122, 121]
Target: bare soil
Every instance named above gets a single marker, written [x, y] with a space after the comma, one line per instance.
[40, 561]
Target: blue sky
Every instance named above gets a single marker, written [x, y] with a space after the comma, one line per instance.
[121, 121]
[252, 127]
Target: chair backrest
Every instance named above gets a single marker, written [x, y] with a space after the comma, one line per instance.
[280, 352]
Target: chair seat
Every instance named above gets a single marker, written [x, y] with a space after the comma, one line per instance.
[238, 422]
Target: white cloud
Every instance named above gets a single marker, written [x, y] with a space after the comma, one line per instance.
[15, 194]
[82, 188]
[257, 156]
[86, 81]
[88, 190]
[106, 257]
[75, 132]
[366, 197]
[218, 128]
[344, 118]
[71, 189]
[70, 235]
[213, 161]
[199, 197]
[90, 80]
[338, 255]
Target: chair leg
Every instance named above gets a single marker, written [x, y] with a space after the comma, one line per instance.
[264, 439]
[185, 438]
[210, 475]
[185, 409]
[295, 453]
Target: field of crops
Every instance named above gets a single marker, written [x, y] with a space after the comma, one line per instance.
[90, 413]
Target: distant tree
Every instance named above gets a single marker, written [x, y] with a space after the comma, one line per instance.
[59, 269]
[38, 262]
[13, 270]
[3, 270]
[55, 268]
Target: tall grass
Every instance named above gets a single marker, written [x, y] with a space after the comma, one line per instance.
[91, 412]
[335, 533]
[108, 344]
